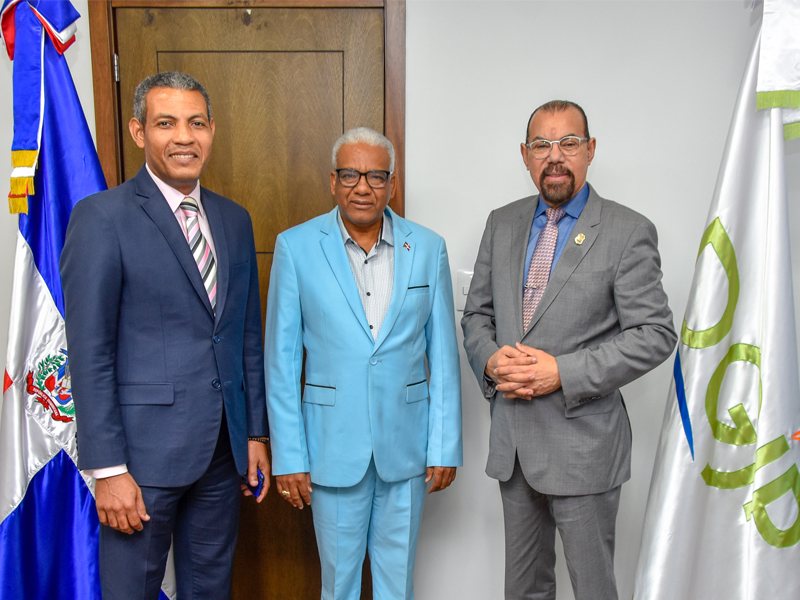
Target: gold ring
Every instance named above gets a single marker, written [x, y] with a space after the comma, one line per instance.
[286, 493]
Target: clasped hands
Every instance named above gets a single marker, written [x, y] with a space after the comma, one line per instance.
[523, 372]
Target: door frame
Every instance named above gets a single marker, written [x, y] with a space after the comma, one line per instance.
[106, 90]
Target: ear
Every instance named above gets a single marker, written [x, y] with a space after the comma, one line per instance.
[212, 125]
[590, 146]
[137, 132]
[524, 149]
[333, 183]
[392, 186]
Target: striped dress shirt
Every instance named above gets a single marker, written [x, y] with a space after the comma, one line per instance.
[373, 272]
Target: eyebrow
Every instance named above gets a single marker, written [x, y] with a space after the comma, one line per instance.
[538, 137]
[174, 118]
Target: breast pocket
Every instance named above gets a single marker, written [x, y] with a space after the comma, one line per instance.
[418, 289]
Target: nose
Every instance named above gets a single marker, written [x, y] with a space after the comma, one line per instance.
[362, 187]
[182, 133]
[556, 155]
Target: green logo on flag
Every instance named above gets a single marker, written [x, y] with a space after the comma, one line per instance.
[743, 432]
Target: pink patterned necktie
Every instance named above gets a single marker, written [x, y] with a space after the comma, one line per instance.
[200, 249]
[541, 262]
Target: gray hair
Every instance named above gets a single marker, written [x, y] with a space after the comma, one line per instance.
[363, 135]
[174, 80]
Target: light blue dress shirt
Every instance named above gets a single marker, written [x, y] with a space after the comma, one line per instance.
[573, 208]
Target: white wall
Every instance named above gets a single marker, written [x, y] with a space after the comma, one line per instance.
[658, 81]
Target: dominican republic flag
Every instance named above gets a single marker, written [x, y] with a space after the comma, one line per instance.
[723, 514]
[48, 521]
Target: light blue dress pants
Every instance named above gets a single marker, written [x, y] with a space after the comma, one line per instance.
[376, 515]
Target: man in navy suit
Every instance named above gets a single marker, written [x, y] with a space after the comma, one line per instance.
[164, 330]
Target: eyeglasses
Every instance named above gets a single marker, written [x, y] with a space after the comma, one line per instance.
[569, 146]
[351, 177]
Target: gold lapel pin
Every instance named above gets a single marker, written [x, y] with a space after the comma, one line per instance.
[579, 239]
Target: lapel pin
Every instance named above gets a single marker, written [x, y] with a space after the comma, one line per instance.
[579, 239]
[406, 246]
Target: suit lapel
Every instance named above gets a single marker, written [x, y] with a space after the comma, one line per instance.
[211, 207]
[520, 235]
[156, 207]
[588, 225]
[403, 261]
[336, 255]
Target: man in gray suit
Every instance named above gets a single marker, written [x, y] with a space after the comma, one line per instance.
[566, 306]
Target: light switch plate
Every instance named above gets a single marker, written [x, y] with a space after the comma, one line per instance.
[463, 281]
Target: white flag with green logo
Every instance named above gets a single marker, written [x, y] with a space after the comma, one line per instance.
[723, 515]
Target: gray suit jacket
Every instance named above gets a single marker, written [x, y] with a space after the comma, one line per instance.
[604, 316]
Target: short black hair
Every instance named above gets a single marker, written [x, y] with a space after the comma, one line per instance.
[174, 80]
[555, 106]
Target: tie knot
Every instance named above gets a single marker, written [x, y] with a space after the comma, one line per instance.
[554, 214]
[189, 206]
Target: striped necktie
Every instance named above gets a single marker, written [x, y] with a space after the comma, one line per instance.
[541, 262]
[200, 249]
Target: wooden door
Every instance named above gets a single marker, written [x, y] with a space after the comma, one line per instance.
[284, 83]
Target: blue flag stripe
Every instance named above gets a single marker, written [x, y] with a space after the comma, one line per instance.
[48, 544]
[68, 171]
[684, 408]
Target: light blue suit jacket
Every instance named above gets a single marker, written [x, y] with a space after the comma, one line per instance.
[362, 397]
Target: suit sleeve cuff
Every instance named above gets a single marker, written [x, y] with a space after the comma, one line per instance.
[106, 472]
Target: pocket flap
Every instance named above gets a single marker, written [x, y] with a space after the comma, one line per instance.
[594, 406]
[319, 394]
[418, 289]
[146, 393]
[417, 391]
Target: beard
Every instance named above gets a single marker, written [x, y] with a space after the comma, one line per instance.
[556, 194]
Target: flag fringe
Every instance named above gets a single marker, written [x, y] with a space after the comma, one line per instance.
[777, 99]
[791, 131]
[21, 188]
[23, 158]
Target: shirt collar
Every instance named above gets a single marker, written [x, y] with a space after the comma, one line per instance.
[386, 235]
[173, 196]
[573, 208]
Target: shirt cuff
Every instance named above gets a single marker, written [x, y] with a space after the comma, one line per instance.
[106, 472]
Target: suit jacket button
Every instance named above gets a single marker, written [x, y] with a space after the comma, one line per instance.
[373, 361]
[216, 384]
[216, 339]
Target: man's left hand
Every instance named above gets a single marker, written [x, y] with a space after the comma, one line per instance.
[442, 477]
[257, 460]
[544, 378]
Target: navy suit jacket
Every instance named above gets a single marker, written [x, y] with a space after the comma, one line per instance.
[152, 366]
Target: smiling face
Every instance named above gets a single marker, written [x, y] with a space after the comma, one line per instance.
[176, 136]
[559, 178]
[361, 206]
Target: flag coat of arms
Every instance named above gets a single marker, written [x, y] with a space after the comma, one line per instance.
[723, 514]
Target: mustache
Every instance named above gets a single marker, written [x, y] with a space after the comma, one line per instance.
[557, 170]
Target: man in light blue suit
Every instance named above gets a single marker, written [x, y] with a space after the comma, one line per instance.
[368, 295]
